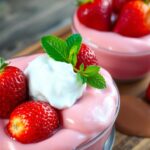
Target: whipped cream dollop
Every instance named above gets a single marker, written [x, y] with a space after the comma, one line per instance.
[54, 82]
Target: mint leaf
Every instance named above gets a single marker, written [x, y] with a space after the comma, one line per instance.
[74, 40]
[81, 78]
[73, 56]
[55, 48]
[74, 44]
[97, 81]
[91, 70]
[81, 67]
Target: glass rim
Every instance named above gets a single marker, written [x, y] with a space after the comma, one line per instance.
[94, 139]
[95, 46]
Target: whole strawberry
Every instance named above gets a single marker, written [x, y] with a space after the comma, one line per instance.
[33, 121]
[86, 56]
[118, 4]
[134, 19]
[148, 93]
[13, 88]
[95, 14]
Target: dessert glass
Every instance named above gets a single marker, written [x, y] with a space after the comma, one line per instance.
[104, 139]
[96, 141]
[114, 52]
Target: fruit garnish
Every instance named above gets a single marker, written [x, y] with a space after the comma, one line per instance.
[118, 4]
[33, 121]
[67, 51]
[134, 19]
[13, 88]
[95, 14]
[148, 93]
[86, 56]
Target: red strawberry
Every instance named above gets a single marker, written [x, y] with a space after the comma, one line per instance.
[32, 122]
[134, 19]
[13, 88]
[86, 56]
[95, 14]
[118, 4]
[148, 93]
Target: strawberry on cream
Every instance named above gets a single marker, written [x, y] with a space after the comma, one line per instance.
[111, 49]
[93, 114]
[54, 82]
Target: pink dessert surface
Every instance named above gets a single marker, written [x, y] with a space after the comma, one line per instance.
[111, 49]
[95, 112]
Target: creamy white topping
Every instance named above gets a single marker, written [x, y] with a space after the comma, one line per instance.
[54, 82]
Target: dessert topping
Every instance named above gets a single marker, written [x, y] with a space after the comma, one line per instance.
[54, 82]
[13, 88]
[33, 121]
[86, 56]
[67, 51]
[56, 78]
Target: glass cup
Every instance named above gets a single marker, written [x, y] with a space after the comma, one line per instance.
[122, 65]
[99, 141]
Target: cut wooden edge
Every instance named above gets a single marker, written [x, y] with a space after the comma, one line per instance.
[63, 32]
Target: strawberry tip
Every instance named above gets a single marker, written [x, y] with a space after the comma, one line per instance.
[16, 127]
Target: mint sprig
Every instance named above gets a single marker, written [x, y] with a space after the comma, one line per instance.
[67, 51]
[55, 48]
[91, 76]
[97, 81]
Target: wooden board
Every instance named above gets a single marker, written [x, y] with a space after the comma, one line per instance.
[123, 142]
[24, 22]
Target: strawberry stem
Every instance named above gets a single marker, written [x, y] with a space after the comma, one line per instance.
[81, 2]
[3, 64]
[147, 1]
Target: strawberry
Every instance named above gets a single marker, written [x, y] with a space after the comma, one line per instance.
[148, 93]
[33, 121]
[134, 19]
[13, 88]
[118, 4]
[95, 14]
[86, 56]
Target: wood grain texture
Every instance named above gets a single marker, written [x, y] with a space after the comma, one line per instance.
[24, 22]
[123, 142]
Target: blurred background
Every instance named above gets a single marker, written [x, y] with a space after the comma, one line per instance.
[23, 22]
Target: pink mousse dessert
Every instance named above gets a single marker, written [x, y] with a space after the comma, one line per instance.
[126, 58]
[87, 113]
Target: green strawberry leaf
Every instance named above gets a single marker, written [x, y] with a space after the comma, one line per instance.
[81, 2]
[97, 81]
[55, 48]
[3, 64]
[91, 70]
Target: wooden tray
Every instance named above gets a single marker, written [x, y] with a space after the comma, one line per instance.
[123, 142]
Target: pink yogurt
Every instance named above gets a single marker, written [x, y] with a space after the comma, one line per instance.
[93, 114]
[124, 57]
